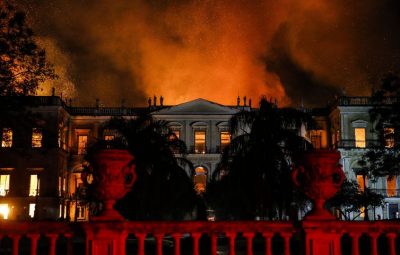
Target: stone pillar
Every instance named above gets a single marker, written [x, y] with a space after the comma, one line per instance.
[249, 243]
[159, 238]
[374, 243]
[320, 238]
[286, 238]
[177, 243]
[392, 243]
[231, 236]
[354, 243]
[268, 248]
[15, 244]
[34, 239]
[53, 241]
[214, 243]
[141, 238]
[104, 238]
[196, 238]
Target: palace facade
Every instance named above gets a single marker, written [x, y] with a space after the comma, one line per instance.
[40, 172]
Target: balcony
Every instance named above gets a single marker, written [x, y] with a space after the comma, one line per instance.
[395, 193]
[354, 144]
[364, 101]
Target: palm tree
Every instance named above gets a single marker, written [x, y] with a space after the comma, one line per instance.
[253, 177]
[163, 189]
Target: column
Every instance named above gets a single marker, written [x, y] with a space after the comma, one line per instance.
[391, 242]
[140, 237]
[354, 243]
[268, 247]
[231, 236]
[196, 238]
[122, 247]
[15, 243]
[374, 243]
[159, 238]
[34, 239]
[249, 243]
[286, 238]
[52, 240]
[214, 243]
[177, 243]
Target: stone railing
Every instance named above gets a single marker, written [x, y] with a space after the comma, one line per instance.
[194, 237]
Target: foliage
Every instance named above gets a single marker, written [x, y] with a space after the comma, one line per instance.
[23, 64]
[351, 199]
[254, 175]
[163, 189]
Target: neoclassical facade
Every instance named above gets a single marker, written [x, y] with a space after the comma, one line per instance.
[40, 174]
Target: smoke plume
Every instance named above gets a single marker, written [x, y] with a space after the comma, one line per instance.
[184, 49]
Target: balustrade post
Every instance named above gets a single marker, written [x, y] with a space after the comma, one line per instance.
[214, 243]
[249, 243]
[195, 239]
[177, 243]
[268, 247]
[159, 239]
[232, 237]
[391, 242]
[374, 243]
[141, 238]
[15, 244]
[34, 239]
[53, 240]
[286, 238]
[354, 243]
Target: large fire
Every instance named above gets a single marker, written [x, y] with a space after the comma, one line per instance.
[216, 50]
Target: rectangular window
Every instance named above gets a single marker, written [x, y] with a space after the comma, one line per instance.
[200, 142]
[80, 212]
[37, 136]
[388, 134]
[32, 208]
[391, 185]
[359, 134]
[362, 182]
[82, 144]
[316, 141]
[4, 184]
[6, 138]
[225, 139]
[4, 210]
[34, 185]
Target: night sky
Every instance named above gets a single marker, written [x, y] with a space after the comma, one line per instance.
[185, 49]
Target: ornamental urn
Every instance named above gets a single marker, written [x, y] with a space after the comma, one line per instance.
[319, 175]
[112, 176]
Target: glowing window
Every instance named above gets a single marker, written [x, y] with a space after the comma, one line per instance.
[34, 185]
[200, 142]
[108, 137]
[82, 144]
[316, 139]
[391, 185]
[32, 208]
[200, 179]
[177, 133]
[362, 182]
[359, 134]
[37, 136]
[388, 134]
[4, 211]
[4, 184]
[225, 138]
[80, 212]
[7, 138]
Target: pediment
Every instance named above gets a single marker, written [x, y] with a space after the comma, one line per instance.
[197, 107]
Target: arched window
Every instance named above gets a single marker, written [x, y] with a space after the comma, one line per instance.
[200, 179]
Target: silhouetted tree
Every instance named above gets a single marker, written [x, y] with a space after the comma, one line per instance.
[163, 189]
[23, 64]
[254, 175]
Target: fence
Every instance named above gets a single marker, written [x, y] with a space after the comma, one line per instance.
[198, 238]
